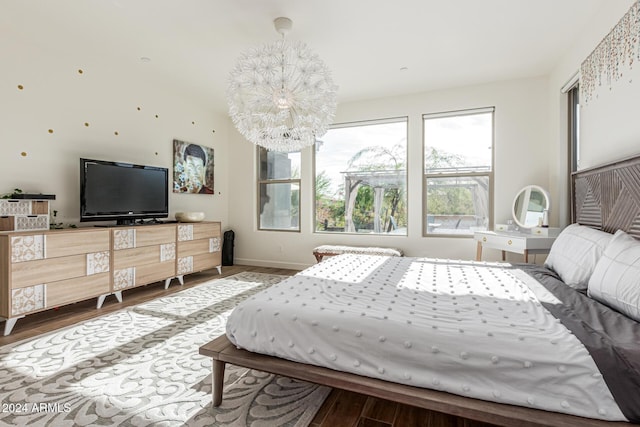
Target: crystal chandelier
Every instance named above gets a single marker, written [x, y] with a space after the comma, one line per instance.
[281, 96]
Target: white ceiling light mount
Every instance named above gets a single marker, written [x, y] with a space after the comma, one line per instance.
[281, 96]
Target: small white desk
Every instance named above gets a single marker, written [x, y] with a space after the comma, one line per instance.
[520, 243]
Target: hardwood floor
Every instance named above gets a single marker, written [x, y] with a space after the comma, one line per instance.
[341, 409]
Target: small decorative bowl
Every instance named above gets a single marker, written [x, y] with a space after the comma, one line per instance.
[189, 216]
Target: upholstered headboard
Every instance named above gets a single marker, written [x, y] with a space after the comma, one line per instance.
[608, 197]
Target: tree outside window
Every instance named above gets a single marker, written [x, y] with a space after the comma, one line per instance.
[458, 172]
[361, 178]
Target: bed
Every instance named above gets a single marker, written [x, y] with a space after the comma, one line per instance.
[493, 342]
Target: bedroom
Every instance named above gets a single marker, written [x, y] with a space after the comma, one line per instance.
[530, 136]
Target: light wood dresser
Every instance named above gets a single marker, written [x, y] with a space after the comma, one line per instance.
[44, 269]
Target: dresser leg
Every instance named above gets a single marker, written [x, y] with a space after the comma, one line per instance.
[504, 255]
[118, 296]
[9, 324]
[219, 268]
[526, 255]
[478, 253]
[181, 279]
[167, 282]
[101, 299]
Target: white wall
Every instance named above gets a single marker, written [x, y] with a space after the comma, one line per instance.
[56, 96]
[521, 151]
[610, 129]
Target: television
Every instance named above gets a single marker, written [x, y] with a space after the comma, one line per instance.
[122, 192]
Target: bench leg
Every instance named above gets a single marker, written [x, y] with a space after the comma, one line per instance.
[218, 382]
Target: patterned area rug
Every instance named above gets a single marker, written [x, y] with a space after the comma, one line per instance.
[140, 367]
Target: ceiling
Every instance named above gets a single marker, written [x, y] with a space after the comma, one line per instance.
[366, 43]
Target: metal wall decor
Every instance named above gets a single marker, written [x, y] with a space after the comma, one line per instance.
[617, 51]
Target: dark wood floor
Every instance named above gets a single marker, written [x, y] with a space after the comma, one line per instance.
[341, 409]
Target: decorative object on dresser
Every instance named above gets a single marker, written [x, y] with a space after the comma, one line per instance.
[40, 270]
[189, 216]
[25, 212]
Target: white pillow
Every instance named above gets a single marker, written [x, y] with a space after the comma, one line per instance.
[616, 278]
[575, 253]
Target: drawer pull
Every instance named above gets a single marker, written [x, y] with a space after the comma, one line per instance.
[509, 242]
[484, 239]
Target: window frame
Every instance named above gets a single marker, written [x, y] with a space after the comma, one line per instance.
[260, 182]
[396, 119]
[426, 176]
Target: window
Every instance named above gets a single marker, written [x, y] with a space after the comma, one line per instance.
[361, 178]
[574, 128]
[458, 172]
[278, 190]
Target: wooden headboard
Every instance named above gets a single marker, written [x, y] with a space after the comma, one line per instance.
[608, 197]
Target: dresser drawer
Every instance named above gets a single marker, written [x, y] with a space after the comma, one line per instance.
[202, 230]
[77, 289]
[126, 258]
[24, 222]
[144, 236]
[60, 244]
[54, 269]
[509, 243]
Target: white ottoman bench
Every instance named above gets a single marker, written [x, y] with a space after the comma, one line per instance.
[331, 250]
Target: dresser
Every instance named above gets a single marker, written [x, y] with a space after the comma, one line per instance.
[47, 269]
[521, 243]
[142, 255]
[199, 247]
[40, 270]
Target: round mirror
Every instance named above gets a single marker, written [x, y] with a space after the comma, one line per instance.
[529, 206]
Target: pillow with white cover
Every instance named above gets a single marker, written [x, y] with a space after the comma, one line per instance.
[575, 253]
[616, 278]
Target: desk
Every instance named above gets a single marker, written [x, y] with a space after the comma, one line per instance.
[520, 243]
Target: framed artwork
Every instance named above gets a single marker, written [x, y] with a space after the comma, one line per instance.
[192, 168]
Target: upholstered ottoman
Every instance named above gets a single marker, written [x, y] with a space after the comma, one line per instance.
[331, 250]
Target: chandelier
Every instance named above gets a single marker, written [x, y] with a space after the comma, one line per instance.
[281, 96]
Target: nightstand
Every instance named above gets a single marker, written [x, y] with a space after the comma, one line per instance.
[516, 242]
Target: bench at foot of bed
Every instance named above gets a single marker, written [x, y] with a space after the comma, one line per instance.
[331, 250]
[222, 351]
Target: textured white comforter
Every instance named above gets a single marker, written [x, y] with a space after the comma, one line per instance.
[469, 328]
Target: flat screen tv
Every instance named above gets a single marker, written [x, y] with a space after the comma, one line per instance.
[122, 192]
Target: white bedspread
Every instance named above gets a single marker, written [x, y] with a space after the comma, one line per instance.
[469, 328]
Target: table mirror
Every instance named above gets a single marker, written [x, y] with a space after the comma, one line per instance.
[529, 206]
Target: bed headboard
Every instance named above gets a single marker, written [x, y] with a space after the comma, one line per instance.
[608, 197]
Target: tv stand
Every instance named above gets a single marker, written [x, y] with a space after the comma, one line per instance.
[43, 269]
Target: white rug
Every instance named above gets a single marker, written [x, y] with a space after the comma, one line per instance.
[140, 367]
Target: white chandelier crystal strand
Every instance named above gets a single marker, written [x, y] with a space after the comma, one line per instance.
[281, 96]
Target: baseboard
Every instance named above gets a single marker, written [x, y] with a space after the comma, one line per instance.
[274, 264]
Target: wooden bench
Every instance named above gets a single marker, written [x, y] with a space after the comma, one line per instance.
[222, 351]
[330, 250]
